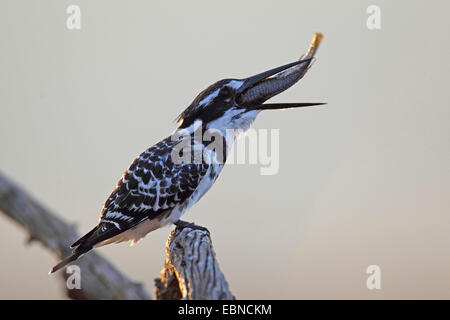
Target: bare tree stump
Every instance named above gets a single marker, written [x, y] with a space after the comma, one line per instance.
[191, 270]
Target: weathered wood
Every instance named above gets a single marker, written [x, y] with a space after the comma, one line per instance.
[191, 270]
[99, 278]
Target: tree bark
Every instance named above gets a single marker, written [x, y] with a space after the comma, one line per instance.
[191, 270]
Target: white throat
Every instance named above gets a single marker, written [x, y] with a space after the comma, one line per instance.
[236, 119]
[233, 122]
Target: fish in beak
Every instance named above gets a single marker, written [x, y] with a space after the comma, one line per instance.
[259, 88]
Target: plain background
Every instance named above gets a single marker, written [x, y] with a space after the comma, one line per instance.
[364, 180]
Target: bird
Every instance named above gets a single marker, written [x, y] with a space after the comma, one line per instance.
[158, 188]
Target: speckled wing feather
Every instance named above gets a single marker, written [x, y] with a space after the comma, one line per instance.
[151, 187]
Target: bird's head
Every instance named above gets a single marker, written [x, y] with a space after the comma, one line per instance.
[235, 103]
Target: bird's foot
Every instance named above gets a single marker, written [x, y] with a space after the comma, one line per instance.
[184, 224]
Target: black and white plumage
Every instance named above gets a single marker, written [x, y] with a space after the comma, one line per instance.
[153, 189]
[153, 192]
[156, 190]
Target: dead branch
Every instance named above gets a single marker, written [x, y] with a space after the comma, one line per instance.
[99, 278]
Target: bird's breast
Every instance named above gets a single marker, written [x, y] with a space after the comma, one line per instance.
[203, 187]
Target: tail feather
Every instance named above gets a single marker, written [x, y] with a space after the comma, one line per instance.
[84, 238]
[81, 246]
[74, 256]
[86, 243]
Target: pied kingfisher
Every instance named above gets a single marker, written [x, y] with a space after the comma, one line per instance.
[156, 189]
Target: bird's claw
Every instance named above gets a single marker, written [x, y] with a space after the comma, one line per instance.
[180, 224]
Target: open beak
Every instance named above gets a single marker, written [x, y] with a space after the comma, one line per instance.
[252, 81]
[259, 88]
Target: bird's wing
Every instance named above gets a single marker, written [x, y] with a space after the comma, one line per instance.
[152, 185]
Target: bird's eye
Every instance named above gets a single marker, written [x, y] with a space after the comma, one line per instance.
[225, 92]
